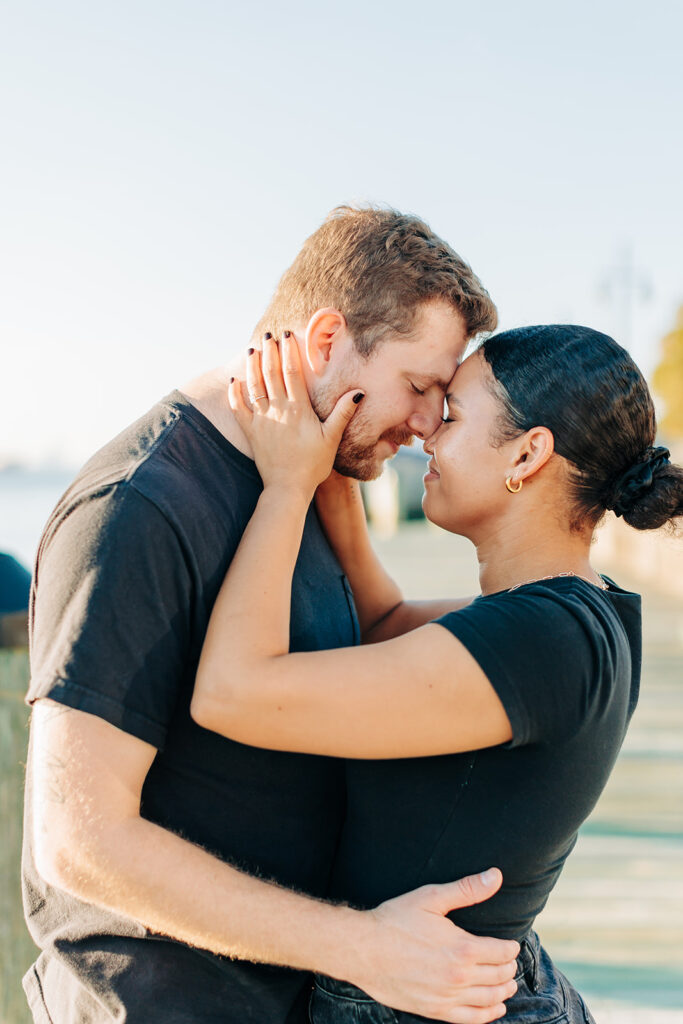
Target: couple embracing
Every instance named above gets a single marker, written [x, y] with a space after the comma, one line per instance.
[264, 787]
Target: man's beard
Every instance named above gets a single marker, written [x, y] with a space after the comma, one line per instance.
[356, 457]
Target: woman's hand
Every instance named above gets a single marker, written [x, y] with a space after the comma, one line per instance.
[291, 446]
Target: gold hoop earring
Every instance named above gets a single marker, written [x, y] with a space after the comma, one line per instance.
[511, 489]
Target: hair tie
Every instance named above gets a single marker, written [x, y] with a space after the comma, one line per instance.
[632, 484]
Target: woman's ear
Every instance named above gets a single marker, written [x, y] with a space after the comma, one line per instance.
[535, 448]
[325, 329]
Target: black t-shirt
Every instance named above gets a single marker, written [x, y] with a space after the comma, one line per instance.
[127, 572]
[564, 658]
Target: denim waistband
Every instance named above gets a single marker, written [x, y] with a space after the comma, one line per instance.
[345, 989]
[527, 961]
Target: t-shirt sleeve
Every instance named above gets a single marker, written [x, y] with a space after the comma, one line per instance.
[111, 623]
[542, 654]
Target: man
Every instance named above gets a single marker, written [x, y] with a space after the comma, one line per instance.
[163, 864]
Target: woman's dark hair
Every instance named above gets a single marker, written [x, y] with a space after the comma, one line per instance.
[587, 390]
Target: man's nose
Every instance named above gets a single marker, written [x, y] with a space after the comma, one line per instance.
[425, 421]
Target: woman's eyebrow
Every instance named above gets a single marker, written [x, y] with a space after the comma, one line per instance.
[452, 400]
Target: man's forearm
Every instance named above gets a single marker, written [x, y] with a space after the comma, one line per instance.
[89, 839]
[175, 888]
[405, 954]
[86, 778]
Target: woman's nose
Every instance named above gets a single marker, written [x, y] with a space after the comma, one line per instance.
[428, 445]
[430, 440]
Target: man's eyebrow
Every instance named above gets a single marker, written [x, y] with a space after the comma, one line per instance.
[452, 400]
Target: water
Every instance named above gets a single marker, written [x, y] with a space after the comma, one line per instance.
[26, 499]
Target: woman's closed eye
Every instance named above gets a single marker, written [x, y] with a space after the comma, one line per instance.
[450, 410]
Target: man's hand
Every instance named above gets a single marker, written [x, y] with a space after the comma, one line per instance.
[419, 961]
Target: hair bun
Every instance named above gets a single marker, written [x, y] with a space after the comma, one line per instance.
[636, 481]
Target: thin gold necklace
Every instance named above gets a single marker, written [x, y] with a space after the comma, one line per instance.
[556, 575]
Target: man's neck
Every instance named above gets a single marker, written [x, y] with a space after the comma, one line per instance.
[209, 394]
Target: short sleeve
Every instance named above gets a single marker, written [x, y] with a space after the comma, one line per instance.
[544, 654]
[111, 613]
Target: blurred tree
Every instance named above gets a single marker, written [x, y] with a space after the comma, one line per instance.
[667, 380]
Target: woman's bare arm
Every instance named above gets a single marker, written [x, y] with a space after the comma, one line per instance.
[383, 612]
[418, 694]
[415, 695]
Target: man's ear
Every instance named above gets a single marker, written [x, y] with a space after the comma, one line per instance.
[535, 448]
[325, 329]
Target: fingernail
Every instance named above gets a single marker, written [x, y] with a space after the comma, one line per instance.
[359, 397]
[287, 334]
[488, 877]
[250, 351]
[232, 380]
[267, 336]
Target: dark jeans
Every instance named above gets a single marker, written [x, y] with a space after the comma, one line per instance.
[544, 996]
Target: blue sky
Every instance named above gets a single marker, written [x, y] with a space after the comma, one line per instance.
[162, 163]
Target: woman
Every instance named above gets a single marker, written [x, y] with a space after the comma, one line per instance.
[488, 735]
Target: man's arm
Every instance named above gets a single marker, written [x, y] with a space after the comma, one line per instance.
[90, 840]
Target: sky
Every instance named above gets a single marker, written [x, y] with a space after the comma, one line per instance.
[162, 162]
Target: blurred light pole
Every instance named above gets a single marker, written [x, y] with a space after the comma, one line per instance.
[623, 286]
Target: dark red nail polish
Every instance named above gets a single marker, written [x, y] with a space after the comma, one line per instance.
[267, 336]
[232, 380]
[359, 397]
[250, 351]
[287, 334]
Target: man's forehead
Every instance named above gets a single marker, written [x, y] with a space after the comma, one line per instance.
[428, 379]
[428, 362]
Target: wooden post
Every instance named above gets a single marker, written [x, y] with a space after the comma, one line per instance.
[18, 950]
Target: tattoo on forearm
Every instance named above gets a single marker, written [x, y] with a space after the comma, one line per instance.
[54, 784]
[52, 710]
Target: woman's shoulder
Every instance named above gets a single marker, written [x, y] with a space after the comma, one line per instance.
[565, 591]
[605, 608]
[556, 651]
[558, 615]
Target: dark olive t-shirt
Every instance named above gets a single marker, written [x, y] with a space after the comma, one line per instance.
[127, 572]
[564, 658]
